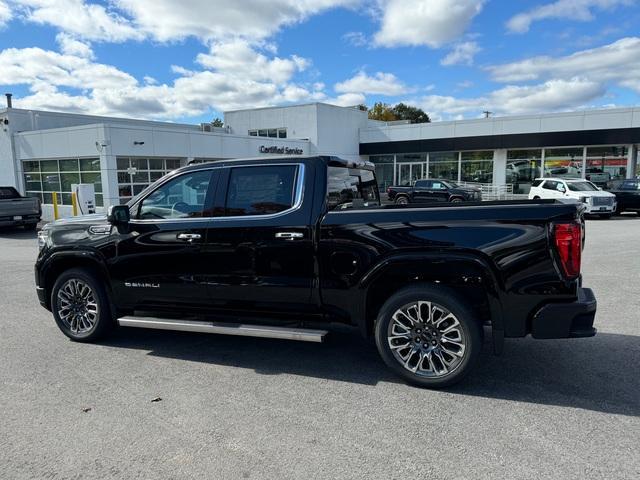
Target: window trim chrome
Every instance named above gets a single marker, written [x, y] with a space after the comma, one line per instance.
[297, 202]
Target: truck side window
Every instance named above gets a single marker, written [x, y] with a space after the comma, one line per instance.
[260, 190]
[550, 185]
[181, 197]
[344, 185]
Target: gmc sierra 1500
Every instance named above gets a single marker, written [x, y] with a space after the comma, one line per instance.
[281, 247]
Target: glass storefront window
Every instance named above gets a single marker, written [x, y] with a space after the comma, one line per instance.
[605, 164]
[410, 168]
[384, 170]
[477, 167]
[563, 162]
[43, 177]
[443, 165]
[135, 173]
[523, 166]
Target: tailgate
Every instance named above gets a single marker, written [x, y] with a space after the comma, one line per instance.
[19, 206]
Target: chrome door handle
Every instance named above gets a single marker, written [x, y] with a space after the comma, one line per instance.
[289, 235]
[189, 237]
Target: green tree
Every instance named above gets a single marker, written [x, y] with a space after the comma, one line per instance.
[413, 114]
[383, 112]
[217, 122]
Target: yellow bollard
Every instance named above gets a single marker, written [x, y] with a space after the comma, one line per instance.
[55, 205]
[74, 203]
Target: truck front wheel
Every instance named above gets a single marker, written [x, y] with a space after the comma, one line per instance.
[428, 336]
[80, 306]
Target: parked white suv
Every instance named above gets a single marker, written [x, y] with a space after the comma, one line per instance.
[596, 201]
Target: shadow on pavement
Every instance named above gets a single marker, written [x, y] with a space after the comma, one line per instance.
[17, 233]
[598, 374]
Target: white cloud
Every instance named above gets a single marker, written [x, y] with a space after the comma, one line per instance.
[379, 84]
[347, 100]
[425, 22]
[72, 81]
[462, 54]
[72, 46]
[578, 10]
[5, 13]
[239, 58]
[554, 95]
[357, 39]
[618, 62]
[89, 21]
[218, 19]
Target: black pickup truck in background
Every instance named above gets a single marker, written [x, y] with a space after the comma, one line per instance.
[433, 190]
[16, 210]
[284, 247]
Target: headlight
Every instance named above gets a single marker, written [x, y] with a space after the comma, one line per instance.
[43, 236]
[583, 199]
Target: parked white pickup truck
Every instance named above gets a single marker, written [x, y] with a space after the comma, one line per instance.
[596, 201]
[16, 210]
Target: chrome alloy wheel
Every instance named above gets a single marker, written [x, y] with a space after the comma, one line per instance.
[77, 306]
[427, 339]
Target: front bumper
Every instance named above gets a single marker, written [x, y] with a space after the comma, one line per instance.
[592, 210]
[567, 320]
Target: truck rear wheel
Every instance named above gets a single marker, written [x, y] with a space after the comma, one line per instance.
[80, 306]
[402, 200]
[428, 336]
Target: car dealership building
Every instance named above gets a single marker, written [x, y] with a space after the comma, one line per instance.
[42, 152]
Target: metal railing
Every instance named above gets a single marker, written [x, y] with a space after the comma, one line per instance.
[495, 192]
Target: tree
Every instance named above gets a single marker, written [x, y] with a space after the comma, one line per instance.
[217, 122]
[383, 112]
[386, 113]
[413, 114]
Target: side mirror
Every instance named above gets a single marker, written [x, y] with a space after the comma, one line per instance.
[118, 215]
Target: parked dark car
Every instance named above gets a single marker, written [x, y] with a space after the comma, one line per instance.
[284, 247]
[627, 194]
[433, 190]
[16, 210]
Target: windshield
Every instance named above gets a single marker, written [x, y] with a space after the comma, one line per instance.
[7, 193]
[582, 186]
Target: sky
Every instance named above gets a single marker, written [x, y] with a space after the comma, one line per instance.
[191, 60]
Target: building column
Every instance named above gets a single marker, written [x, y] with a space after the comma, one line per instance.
[499, 166]
[632, 160]
[108, 170]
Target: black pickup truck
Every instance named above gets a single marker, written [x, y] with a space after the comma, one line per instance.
[282, 247]
[433, 190]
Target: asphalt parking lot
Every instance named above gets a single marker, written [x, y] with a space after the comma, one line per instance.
[234, 407]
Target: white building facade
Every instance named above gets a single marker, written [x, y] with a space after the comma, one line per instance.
[44, 152]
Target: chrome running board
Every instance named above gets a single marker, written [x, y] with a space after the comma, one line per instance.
[287, 333]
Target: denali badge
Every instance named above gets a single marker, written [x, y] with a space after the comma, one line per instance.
[141, 285]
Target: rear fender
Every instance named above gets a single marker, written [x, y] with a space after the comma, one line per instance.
[459, 271]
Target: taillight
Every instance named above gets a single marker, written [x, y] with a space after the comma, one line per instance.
[567, 238]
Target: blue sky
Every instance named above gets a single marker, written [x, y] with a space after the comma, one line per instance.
[190, 60]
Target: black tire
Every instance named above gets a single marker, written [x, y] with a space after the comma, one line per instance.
[456, 200]
[606, 216]
[536, 197]
[468, 325]
[103, 322]
[402, 200]
[30, 226]
[619, 209]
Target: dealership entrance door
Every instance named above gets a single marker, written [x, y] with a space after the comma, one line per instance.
[409, 172]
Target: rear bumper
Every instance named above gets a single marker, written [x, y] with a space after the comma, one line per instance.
[567, 320]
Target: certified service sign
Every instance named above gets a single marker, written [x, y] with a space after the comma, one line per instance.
[281, 150]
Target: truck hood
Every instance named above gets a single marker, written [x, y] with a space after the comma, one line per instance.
[93, 219]
[599, 193]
